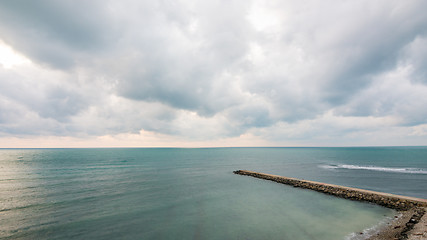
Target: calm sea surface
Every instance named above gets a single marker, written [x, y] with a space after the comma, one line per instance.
[193, 194]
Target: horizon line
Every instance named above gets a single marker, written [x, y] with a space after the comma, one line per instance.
[171, 147]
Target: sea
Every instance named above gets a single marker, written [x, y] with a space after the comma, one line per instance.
[192, 193]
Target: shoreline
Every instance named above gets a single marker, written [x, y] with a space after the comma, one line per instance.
[411, 224]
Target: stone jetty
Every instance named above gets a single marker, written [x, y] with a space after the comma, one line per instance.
[384, 199]
[413, 209]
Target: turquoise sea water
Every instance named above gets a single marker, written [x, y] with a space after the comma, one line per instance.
[193, 194]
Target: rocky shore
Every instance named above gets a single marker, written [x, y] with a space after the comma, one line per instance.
[411, 224]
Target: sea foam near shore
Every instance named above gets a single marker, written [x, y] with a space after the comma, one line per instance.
[374, 230]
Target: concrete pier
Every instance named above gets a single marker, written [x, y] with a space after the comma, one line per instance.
[384, 199]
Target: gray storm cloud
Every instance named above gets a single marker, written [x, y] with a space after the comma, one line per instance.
[109, 67]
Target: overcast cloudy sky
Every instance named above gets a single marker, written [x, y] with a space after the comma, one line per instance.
[212, 73]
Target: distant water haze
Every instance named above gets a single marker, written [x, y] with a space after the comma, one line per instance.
[173, 193]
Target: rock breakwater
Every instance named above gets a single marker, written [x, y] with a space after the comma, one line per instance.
[397, 202]
[412, 209]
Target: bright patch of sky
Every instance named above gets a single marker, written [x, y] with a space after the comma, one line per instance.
[9, 58]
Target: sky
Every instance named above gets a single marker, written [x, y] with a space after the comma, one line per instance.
[184, 73]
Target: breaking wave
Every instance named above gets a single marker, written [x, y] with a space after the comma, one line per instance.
[375, 168]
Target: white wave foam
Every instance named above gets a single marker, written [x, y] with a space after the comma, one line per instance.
[369, 232]
[376, 168]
